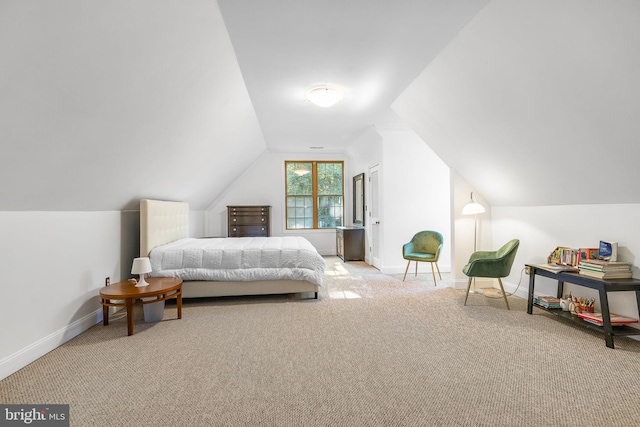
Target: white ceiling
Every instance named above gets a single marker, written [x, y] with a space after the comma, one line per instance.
[102, 103]
[371, 49]
[537, 102]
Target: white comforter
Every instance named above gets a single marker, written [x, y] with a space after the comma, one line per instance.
[239, 259]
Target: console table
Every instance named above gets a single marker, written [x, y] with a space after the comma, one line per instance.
[603, 286]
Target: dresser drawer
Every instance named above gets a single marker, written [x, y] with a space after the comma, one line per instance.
[248, 220]
[248, 210]
[248, 231]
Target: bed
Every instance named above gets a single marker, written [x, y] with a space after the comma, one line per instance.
[227, 266]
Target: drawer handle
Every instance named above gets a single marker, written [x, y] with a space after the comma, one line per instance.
[235, 229]
[235, 219]
[262, 228]
[262, 219]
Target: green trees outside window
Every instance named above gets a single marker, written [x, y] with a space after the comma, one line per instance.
[315, 194]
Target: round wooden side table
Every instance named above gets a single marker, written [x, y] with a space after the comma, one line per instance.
[159, 289]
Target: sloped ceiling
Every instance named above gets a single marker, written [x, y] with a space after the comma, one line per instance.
[102, 103]
[536, 102]
[370, 49]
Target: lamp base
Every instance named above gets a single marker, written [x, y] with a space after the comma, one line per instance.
[474, 290]
[142, 283]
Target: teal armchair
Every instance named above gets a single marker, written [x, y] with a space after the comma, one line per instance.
[425, 246]
[495, 264]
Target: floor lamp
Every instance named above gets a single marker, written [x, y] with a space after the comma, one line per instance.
[474, 208]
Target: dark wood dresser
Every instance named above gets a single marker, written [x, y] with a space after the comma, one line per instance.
[350, 243]
[249, 221]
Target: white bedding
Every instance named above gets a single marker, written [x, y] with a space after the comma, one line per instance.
[239, 259]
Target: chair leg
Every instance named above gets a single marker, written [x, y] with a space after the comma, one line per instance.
[503, 294]
[438, 271]
[468, 288]
[407, 269]
[433, 273]
[416, 269]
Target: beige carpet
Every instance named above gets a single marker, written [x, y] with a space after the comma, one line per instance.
[372, 351]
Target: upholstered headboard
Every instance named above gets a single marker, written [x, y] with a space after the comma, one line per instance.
[162, 222]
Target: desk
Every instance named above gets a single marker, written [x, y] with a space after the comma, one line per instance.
[601, 285]
[160, 288]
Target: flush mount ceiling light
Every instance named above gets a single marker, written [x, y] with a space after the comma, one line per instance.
[325, 96]
[301, 171]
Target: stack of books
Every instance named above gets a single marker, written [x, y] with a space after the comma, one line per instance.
[602, 269]
[547, 302]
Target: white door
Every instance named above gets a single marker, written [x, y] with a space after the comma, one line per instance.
[374, 217]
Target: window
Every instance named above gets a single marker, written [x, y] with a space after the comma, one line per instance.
[315, 194]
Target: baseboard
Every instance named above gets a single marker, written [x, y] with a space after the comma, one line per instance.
[22, 358]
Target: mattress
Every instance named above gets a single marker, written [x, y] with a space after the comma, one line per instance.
[239, 259]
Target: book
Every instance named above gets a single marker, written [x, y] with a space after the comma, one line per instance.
[564, 256]
[608, 251]
[605, 264]
[557, 268]
[616, 319]
[606, 269]
[588, 254]
[607, 274]
[547, 301]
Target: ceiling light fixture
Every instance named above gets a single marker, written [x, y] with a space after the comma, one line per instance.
[301, 171]
[325, 96]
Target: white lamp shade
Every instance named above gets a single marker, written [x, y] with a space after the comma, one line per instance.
[325, 96]
[141, 266]
[472, 208]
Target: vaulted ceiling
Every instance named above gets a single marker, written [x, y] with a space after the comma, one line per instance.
[101, 103]
[370, 49]
[537, 102]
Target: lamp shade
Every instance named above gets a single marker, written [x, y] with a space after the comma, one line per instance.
[473, 207]
[141, 266]
[325, 96]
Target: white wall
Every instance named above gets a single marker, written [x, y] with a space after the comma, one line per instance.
[363, 153]
[263, 184]
[197, 223]
[415, 196]
[540, 229]
[415, 193]
[464, 227]
[53, 265]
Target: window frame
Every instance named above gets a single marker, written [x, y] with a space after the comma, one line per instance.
[314, 193]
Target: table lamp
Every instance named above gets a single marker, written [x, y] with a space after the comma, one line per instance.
[141, 266]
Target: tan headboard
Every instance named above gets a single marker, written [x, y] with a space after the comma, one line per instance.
[162, 222]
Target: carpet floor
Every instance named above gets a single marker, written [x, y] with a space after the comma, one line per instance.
[371, 351]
